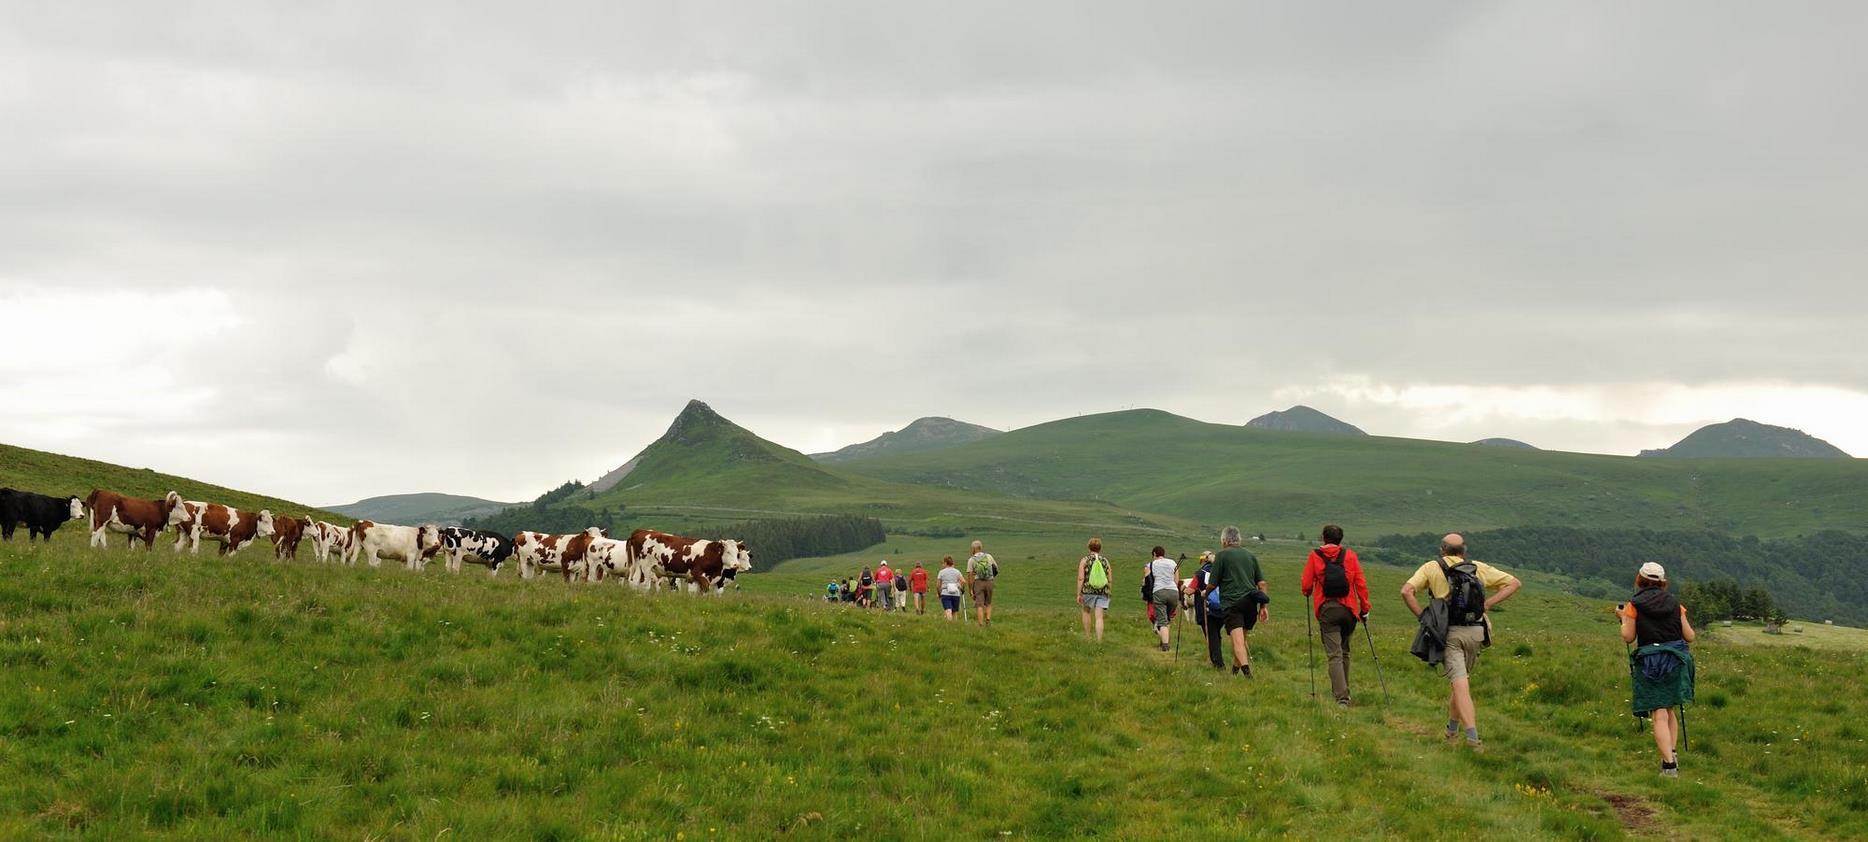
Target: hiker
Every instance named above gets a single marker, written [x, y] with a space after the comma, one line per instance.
[950, 584]
[885, 585]
[1165, 574]
[901, 592]
[849, 592]
[1093, 588]
[830, 591]
[1339, 597]
[1242, 597]
[981, 571]
[918, 582]
[1457, 614]
[1661, 666]
[1206, 610]
[865, 588]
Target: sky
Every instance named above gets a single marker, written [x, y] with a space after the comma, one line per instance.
[334, 250]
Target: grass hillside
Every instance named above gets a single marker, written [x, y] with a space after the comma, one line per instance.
[708, 470]
[211, 698]
[1742, 437]
[426, 507]
[58, 475]
[1285, 483]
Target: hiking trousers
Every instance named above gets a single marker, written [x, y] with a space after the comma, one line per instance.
[1215, 631]
[1338, 625]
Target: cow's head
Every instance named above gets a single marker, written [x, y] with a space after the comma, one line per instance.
[171, 504]
[428, 539]
[265, 523]
[77, 508]
[596, 532]
[735, 556]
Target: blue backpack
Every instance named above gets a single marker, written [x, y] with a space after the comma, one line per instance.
[1206, 578]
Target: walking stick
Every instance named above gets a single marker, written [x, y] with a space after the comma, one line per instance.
[1312, 639]
[1177, 636]
[1684, 745]
[1378, 663]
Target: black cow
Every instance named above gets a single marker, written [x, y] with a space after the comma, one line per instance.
[488, 548]
[41, 514]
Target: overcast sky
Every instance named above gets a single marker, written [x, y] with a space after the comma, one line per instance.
[329, 250]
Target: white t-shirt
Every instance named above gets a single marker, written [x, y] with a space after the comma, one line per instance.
[949, 581]
[1167, 574]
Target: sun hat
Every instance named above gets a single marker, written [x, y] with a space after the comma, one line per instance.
[1653, 570]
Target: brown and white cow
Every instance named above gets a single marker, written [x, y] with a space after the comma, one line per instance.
[287, 531]
[328, 538]
[658, 558]
[411, 545]
[132, 516]
[232, 528]
[566, 553]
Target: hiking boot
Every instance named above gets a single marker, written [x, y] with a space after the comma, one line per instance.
[1342, 703]
[1670, 770]
[1478, 746]
[1164, 647]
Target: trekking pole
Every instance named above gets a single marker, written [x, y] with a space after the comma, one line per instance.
[1684, 745]
[1378, 663]
[1177, 638]
[1312, 640]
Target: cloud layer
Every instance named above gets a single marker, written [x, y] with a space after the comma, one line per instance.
[344, 250]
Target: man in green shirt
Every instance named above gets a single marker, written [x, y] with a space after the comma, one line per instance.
[1242, 598]
[981, 571]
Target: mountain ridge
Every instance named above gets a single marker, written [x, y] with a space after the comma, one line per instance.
[922, 434]
[1743, 438]
[1304, 419]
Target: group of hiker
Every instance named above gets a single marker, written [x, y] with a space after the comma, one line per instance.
[1228, 594]
[893, 590]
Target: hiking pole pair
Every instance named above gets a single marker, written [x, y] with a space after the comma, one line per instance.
[1366, 632]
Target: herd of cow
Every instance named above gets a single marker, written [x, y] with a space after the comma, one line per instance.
[647, 560]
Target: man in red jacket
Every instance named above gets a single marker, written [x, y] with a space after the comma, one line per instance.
[1339, 595]
[918, 583]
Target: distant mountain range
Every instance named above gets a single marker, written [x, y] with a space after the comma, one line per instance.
[1495, 442]
[423, 507]
[1303, 419]
[932, 433]
[1744, 438]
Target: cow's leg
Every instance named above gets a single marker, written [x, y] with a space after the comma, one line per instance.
[98, 538]
[149, 538]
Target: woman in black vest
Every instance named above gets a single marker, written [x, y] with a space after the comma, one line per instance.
[1662, 665]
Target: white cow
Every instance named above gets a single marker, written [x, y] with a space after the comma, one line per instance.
[610, 557]
[411, 545]
[231, 528]
[330, 539]
[565, 553]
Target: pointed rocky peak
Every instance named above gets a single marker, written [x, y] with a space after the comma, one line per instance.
[1744, 438]
[1303, 419]
[699, 439]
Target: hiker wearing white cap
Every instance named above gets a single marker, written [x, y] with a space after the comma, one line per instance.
[1460, 586]
[1662, 665]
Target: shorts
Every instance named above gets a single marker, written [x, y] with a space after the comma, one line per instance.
[1164, 602]
[950, 602]
[1242, 616]
[982, 593]
[1095, 600]
[1463, 644]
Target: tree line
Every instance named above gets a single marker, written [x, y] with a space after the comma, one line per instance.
[1717, 576]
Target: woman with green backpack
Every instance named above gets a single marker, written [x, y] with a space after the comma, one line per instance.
[1093, 587]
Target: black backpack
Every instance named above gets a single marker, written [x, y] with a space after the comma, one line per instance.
[1148, 585]
[1465, 599]
[1335, 574]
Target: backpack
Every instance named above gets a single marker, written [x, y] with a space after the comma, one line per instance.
[1096, 579]
[985, 568]
[1335, 574]
[1212, 593]
[1148, 585]
[1465, 599]
[901, 584]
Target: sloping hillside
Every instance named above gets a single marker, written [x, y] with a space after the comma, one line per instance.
[709, 469]
[59, 475]
[1290, 483]
[424, 507]
[234, 698]
[1742, 438]
[922, 435]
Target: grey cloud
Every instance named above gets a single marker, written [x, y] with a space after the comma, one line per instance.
[833, 217]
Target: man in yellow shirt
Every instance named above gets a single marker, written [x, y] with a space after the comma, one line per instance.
[1464, 637]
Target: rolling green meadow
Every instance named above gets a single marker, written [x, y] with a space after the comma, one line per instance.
[155, 695]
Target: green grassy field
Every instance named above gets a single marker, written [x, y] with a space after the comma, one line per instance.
[155, 695]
